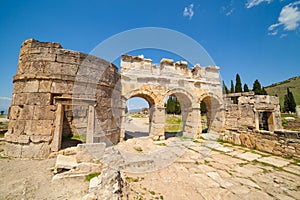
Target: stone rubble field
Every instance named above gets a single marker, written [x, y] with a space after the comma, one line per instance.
[177, 168]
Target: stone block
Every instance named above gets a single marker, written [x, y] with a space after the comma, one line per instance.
[19, 127]
[41, 150]
[19, 99]
[13, 150]
[19, 86]
[26, 113]
[41, 127]
[53, 68]
[45, 86]
[65, 162]
[14, 112]
[69, 57]
[62, 87]
[40, 138]
[44, 112]
[38, 99]
[265, 145]
[69, 69]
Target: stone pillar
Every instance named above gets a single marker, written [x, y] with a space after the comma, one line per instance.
[123, 120]
[193, 123]
[157, 123]
[256, 115]
[91, 125]
[57, 135]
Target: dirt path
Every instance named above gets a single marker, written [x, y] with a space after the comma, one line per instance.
[32, 179]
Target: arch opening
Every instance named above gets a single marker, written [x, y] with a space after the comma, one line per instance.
[173, 120]
[137, 116]
[186, 126]
[210, 109]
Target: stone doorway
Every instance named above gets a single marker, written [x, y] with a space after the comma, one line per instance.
[137, 118]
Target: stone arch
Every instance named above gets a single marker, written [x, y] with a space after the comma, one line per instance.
[215, 111]
[190, 110]
[156, 112]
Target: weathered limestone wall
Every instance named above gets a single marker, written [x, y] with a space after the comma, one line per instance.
[155, 83]
[58, 92]
[246, 125]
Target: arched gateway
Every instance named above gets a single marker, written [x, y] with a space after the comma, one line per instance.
[141, 78]
[60, 93]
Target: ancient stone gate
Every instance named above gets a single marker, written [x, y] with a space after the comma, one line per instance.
[60, 93]
[141, 78]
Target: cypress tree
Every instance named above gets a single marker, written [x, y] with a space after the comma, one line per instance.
[231, 87]
[257, 87]
[238, 84]
[177, 106]
[289, 102]
[286, 103]
[246, 89]
[203, 107]
[292, 102]
[263, 91]
[225, 89]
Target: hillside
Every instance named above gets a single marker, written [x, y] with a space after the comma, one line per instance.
[279, 89]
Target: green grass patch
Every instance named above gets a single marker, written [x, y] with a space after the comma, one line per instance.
[92, 175]
[131, 179]
[137, 115]
[138, 149]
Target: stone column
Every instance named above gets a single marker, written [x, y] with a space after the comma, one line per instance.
[193, 123]
[91, 125]
[256, 115]
[123, 119]
[57, 135]
[157, 123]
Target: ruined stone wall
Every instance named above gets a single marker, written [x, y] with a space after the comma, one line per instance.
[55, 92]
[155, 83]
[245, 124]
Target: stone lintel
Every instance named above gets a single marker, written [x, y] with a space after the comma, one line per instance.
[74, 101]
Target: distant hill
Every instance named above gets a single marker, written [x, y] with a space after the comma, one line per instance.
[279, 89]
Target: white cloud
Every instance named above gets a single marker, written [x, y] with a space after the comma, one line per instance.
[228, 9]
[289, 18]
[188, 11]
[252, 3]
[5, 98]
[229, 12]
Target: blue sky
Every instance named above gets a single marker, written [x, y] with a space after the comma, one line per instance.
[259, 39]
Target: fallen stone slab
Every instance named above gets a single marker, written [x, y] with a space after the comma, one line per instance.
[275, 161]
[65, 162]
[249, 156]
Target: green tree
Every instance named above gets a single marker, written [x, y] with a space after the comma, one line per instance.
[289, 102]
[257, 87]
[246, 89]
[231, 87]
[263, 91]
[177, 106]
[225, 89]
[203, 107]
[238, 84]
[173, 106]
